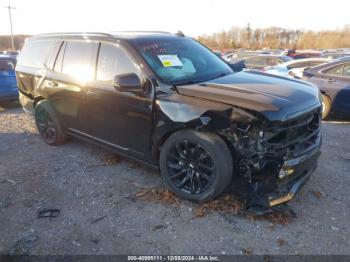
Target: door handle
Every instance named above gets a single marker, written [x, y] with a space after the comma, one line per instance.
[331, 81]
[52, 84]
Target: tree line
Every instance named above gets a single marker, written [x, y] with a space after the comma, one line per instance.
[246, 37]
[5, 42]
[276, 37]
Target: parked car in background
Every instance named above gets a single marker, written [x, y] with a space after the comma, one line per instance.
[333, 79]
[218, 53]
[10, 53]
[239, 55]
[302, 55]
[344, 58]
[295, 68]
[167, 101]
[335, 55]
[8, 84]
[259, 62]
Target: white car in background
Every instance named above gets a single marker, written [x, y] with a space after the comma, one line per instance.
[295, 68]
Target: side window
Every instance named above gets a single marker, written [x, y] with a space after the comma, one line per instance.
[336, 71]
[36, 52]
[52, 57]
[298, 65]
[7, 64]
[254, 61]
[346, 72]
[78, 60]
[273, 61]
[112, 61]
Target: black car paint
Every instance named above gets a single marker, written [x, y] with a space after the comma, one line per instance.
[336, 87]
[136, 124]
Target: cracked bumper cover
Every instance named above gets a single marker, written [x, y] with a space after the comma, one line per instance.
[290, 184]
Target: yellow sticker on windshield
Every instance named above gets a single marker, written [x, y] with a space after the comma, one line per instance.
[170, 60]
[166, 63]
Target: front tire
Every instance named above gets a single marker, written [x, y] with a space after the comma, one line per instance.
[49, 127]
[196, 166]
[326, 106]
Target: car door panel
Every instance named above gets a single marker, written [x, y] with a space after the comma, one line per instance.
[123, 119]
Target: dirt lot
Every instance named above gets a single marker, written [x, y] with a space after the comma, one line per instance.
[105, 206]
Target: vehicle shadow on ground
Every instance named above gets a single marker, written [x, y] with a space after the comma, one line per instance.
[337, 119]
[9, 105]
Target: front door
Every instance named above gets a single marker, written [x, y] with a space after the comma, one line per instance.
[119, 119]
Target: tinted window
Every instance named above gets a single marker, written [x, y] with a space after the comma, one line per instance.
[336, 71]
[112, 61]
[78, 60]
[271, 61]
[346, 71]
[7, 64]
[36, 52]
[52, 57]
[255, 61]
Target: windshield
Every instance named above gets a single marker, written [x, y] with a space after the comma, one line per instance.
[180, 60]
[7, 64]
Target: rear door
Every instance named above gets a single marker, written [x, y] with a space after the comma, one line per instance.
[67, 82]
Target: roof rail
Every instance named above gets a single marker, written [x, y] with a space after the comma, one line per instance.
[75, 33]
[139, 32]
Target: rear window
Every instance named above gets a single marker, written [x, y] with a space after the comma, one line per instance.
[79, 59]
[36, 52]
[7, 64]
[256, 61]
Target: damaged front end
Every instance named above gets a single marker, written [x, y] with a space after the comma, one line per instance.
[275, 159]
[272, 160]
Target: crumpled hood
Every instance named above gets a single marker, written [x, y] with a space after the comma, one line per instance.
[277, 98]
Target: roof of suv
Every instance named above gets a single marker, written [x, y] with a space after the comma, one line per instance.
[117, 34]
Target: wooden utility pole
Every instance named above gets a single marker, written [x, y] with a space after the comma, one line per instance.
[10, 16]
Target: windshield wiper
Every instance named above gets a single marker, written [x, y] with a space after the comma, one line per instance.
[188, 82]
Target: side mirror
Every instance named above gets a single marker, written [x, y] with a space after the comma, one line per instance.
[127, 82]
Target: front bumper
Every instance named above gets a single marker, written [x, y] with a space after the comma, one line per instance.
[292, 177]
[289, 187]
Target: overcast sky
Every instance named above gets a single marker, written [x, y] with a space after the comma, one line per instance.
[193, 17]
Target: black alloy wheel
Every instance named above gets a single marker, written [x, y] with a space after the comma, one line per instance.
[49, 127]
[45, 125]
[197, 166]
[190, 167]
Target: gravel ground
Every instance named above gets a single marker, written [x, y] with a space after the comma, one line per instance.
[103, 212]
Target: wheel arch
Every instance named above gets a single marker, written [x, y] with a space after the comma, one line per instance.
[37, 100]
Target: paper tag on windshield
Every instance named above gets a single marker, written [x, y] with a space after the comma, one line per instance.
[170, 60]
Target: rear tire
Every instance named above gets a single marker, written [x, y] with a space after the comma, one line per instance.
[196, 166]
[49, 127]
[326, 106]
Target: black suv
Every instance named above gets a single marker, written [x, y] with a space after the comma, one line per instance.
[168, 101]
